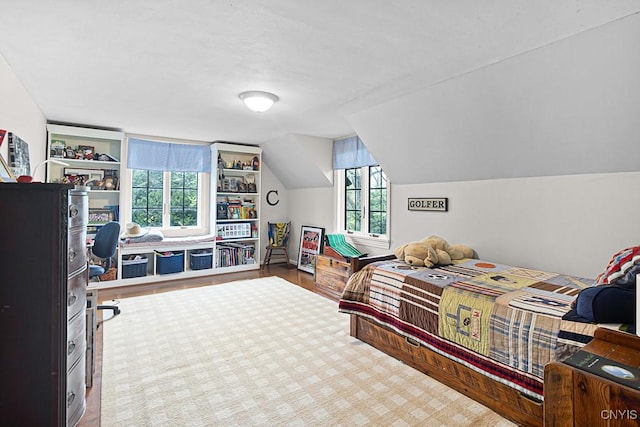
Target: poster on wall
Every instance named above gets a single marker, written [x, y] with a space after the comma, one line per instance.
[19, 155]
[311, 240]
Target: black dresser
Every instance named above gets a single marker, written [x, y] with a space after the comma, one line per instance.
[43, 279]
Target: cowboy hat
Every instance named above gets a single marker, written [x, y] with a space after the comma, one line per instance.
[134, 230]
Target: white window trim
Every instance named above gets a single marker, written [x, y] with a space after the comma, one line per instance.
[359, 238]
[203, 207]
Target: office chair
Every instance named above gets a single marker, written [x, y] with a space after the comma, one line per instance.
[278, 239]
[104, 247]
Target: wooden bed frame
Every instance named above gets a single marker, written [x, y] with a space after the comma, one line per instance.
[504, 400]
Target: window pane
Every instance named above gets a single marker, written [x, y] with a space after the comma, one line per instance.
[377, 201]
[353, 199]
[184, 199]
[155, 179]
[155, 199]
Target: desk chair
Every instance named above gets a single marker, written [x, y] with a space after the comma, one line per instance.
[278, 240]
[104, 247]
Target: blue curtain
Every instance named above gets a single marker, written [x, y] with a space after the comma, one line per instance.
[351, 153]
[162, 156]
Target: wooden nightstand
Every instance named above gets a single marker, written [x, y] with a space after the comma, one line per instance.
[574, 397]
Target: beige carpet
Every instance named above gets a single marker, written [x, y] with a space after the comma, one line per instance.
[260, 352]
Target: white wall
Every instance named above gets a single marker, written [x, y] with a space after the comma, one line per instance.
[313, 207]
[569, 224]
[20, 115]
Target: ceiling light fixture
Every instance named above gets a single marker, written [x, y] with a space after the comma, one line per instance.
[258, 101]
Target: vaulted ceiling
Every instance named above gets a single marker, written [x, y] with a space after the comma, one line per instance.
[175, 68]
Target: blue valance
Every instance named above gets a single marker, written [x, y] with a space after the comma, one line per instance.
[351, 153]
[166, 156]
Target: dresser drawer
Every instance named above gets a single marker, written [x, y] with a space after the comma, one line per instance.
[77, 250]
[76, 294]
[78, 209]
[75, 392]
[76, 341]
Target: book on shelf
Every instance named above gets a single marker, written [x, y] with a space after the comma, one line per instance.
[606, 368]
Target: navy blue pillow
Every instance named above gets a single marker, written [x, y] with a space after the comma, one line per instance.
[607, 304]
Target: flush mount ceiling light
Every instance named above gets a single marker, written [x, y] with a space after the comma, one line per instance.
[258, 101]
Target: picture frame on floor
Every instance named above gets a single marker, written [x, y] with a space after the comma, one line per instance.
[311, 243]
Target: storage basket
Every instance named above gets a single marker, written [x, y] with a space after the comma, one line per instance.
[134, 267]
[200, 260]
[236, 230]
[170, 262]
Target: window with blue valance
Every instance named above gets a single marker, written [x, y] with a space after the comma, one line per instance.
[163, 156]
[351, 153]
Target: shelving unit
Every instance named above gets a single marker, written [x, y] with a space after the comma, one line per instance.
[236, 187]
[80, 148]
[234, 239]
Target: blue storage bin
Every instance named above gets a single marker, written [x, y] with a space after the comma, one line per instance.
[201, 260]
[134, 267]
[171, 262]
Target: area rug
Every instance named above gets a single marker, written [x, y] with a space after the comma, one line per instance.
[260, 352]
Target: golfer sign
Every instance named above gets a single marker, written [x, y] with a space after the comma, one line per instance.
[438, 204]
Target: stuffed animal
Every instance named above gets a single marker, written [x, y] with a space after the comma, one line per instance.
[417, 254]
[432, 250]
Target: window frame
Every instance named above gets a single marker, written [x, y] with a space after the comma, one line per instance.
[203, 219]
[381, 241]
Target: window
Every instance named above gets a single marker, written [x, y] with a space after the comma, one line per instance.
[365, 201]
[169, 185]
[164, 199]
[362, 191]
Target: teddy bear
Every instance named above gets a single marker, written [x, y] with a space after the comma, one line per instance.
[432, 250]
[417, 254]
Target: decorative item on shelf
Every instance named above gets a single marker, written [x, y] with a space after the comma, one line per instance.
[255, 163]
[85, 152]
[104, 158]
[58, 148]
[28, 178]
[250, 179]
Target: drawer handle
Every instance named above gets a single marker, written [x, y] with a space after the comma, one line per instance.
[73, 211]
[412, 342]
[70, 398]
[71, 299]
[72, 254]
[70, 347]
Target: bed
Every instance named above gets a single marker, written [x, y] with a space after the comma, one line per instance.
[482, 328]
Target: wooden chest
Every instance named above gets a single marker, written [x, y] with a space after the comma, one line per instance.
[331, 275]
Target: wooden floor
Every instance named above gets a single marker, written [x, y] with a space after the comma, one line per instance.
[91, 418]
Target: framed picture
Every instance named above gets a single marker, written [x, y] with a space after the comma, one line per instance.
[100, 216]
[5, 173]
[91, 174]
[311, 241]
[19, 155]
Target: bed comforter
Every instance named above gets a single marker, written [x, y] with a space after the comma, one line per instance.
[502, 321]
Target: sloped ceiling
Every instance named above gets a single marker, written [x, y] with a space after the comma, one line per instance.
[300, 161]
[175, 69]
[569, 108]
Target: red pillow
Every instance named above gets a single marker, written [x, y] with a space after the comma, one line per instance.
[619, 266]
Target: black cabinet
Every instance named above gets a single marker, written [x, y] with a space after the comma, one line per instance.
[43, 279]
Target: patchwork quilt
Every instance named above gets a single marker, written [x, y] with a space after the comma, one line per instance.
[502, 321]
